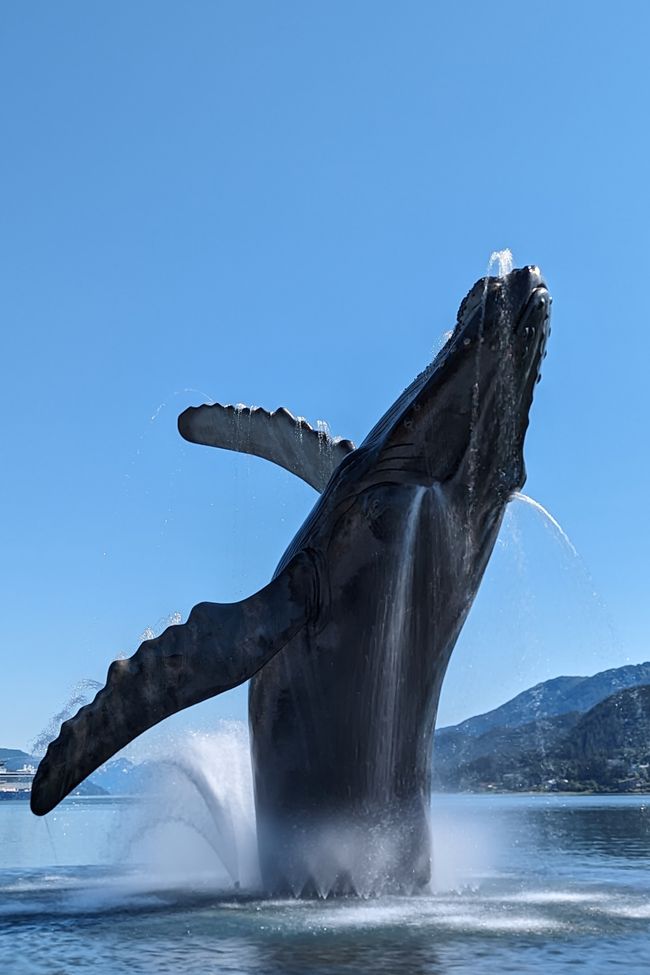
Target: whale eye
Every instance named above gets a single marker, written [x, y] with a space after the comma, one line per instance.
[372, 507]
[376, 514]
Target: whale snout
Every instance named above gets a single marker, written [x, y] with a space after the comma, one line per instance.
[514, 289]
[524, 282]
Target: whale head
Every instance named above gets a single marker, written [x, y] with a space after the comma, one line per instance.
[462, 422]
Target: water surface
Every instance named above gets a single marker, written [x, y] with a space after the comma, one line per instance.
[523, 884]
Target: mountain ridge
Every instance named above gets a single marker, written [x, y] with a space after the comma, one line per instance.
[559, 695]
[604, 748]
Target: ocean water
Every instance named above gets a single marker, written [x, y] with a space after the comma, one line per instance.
[522, 884]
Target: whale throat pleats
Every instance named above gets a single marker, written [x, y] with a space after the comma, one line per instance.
[286, 440]
[220, 646]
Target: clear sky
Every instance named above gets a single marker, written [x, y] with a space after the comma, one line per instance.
[283, 204]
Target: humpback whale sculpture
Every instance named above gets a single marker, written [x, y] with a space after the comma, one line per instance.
[348, 644]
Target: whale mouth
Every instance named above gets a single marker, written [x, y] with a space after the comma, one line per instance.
[534, 322]
[538, 300]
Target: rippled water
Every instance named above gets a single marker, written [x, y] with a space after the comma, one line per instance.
[523, 884]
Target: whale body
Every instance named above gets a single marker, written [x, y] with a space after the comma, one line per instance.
[348, 645]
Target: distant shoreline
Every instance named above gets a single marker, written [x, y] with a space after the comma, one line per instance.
[23, 797]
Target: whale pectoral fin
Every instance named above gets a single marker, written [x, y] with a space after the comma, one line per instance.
[280, 437]
[220, 646]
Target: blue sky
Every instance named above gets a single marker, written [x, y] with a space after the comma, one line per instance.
[283, 204]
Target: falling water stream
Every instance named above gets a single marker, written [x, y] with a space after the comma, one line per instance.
[503, 260]
[387, 677]
[553, 522]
